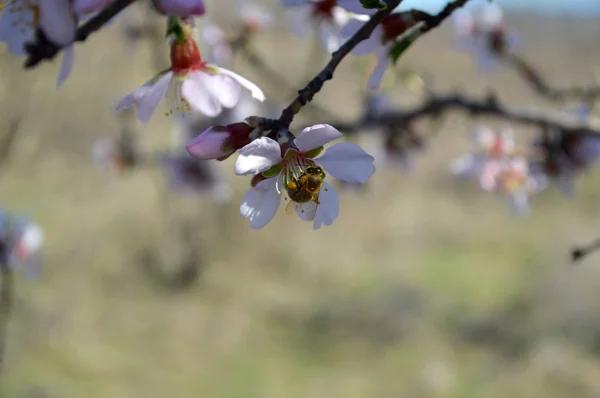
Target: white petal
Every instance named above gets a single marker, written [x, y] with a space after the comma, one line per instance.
[198, 95]
[519, 203]
[66, 65]
[222, 87]
[58, 21]
[253, 88]
[466, 165]
[366, 46]
[348, 162]
[329, 207]
[258, 156]
[383, 61]
[261, 203]
[152, 96]
[316, 136]
[356, 7]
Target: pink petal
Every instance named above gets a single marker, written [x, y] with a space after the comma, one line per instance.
[348, 162]
[88, 6]
[258, 156]
[209, 144]
[261, 203]
[180, 8]
[316, 136]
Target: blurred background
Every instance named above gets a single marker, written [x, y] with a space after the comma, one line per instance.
[423, 287]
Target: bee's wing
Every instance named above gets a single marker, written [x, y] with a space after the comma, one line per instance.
[291, 206]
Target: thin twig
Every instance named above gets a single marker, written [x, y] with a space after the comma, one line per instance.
[490, 106]
[306, 94]
[6, 301]
[43, 49]
[580, 252]
[544, 89]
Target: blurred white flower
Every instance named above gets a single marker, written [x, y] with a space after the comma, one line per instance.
[382, 40]
[484, 34]
[327, 16]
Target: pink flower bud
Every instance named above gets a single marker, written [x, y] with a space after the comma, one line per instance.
[88, 6]
[180, 8]
[218, 142]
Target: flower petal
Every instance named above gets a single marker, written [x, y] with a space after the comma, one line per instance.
[253, 88]
[356, 7]
[222, 87]
[316, 136]
[329, 207]
[348, 162]
[209, 144]
[383, 61]
[261, 203]
[197, 94]
[150, 97]
[258, 156]
[366, 46]
[66, 65]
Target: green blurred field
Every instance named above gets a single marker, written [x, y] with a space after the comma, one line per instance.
[424, 287]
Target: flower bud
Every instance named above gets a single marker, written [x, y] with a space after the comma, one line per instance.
[218, 142]
[180, 8]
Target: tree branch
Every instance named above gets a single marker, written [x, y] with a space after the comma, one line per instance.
[306, 94]
[43, 49]
[544, 89]
[490, 106]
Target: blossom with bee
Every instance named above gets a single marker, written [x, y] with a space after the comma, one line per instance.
[295, 170]
[190, 83]
[488, 145]
[20, 243]
[484, 34]
[328, 16]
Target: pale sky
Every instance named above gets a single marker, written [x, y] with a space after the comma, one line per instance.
[560, 7]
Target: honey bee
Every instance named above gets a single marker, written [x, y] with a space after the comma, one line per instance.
[306, 187]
